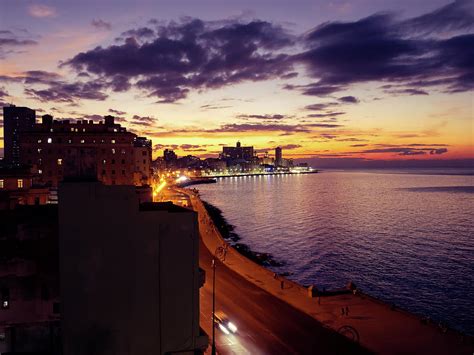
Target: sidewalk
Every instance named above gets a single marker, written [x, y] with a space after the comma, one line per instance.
[375, 325]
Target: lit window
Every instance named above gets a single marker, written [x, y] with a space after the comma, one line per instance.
[1, 183]
[104, 161]
[72, 129]
[50, 140]
[20, 183]
[69, 141]
[40, 171]
[39, 150]
[5, 304]
[83, 130]
[60, 161]
[39, 140]
[113, 150]
[112, 141]
[83, 141]
[115, 129]
[123, 151]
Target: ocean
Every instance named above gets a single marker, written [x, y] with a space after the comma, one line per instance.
[406, 237]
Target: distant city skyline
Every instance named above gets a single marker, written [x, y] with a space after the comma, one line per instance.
[333, 82]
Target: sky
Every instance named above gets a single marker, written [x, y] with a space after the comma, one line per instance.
[345, 81]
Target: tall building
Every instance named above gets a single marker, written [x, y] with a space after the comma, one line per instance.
[237, 153]
[278, 156]
[129, 273]
[104, 151]
[15, 120]
[142, 161]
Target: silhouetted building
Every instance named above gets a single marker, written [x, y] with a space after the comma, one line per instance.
[142, 159]
[237, 153]
[169, 156]
[15, 120]
[278, 156]
[104, 151]
[129, 273]
[16, 188]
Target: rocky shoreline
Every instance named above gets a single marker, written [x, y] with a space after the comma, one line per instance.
[227, 231]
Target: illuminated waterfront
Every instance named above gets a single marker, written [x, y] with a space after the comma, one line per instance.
[406, 238]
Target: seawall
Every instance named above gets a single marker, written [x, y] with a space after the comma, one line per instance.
[375, 324]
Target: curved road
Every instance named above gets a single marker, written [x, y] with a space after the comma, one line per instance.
[266, 325]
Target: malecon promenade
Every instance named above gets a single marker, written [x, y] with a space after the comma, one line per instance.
[374, 324]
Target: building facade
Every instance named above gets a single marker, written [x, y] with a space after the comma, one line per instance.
[16, 188]
[278, 156]
[137, 279]
[104, 151]
[15, 120]
[238, 153]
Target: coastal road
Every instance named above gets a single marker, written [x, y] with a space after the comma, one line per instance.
[266, 325]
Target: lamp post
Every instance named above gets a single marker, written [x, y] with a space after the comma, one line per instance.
[220, 254]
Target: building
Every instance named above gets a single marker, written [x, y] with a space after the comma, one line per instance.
[17, 188]
[278, 156]
[104, 151]
[15, 120]
[238, 152]
[169, 156]
[142, 158]
[129, 273]
[29, 280]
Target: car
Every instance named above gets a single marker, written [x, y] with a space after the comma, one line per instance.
[225, 325]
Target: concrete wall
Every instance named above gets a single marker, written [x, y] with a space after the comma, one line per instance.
[129, 275]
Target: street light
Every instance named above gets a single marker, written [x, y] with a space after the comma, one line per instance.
[219, 253]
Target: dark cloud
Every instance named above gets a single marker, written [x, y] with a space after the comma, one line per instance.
[213, 107]
[456, 16]
[101, 24]
[321, 107]
[439, 151]
[191, 54]
[406, 150]
[117, 112]
[139, 33]
[262, 117]
[67, 92]
[349, 99]
[143, 120]
[406, 91]
[290, 146]
[380, 48]
[3, 93]
[329, 114]
[11, 42]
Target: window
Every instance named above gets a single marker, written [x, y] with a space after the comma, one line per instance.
[60, 161]
[123, 161]
[144, 153]
[113, 150]
[112, 141]
[123, 151]
[39, 150]
[113, 172]
[113, 161]
[20, 183]
[83, 141]
[2, 182]
[40, 171]
[69, 141]
[50, 140]
[104, 161]
[123, 172]
[5, 296]
[39, 140]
